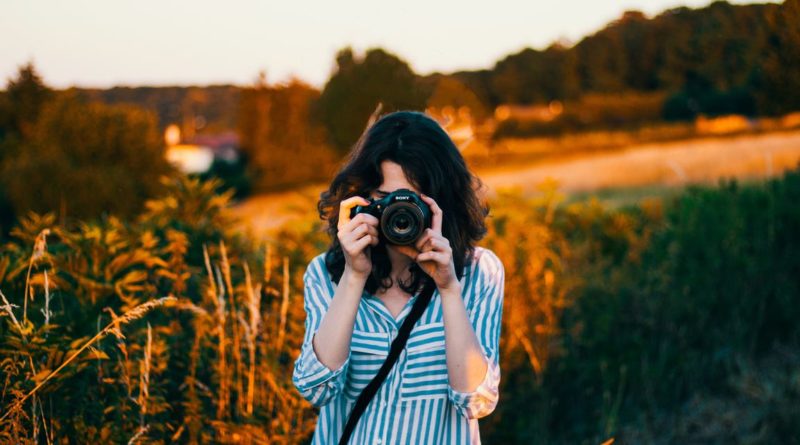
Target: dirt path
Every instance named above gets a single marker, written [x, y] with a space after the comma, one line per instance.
[673, 163]
[668, 164]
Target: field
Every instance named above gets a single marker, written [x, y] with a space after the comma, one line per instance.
[643, 182]
[664, 321]
[615, 177]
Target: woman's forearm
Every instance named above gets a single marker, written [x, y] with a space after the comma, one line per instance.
[331, 342]
[466, 366]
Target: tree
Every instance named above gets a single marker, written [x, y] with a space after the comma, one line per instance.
[355, 89]
[449, 91]
[779, 81]
[20, 106]
[533, 76]
[23, 101]
[87, 159]
[282, 145]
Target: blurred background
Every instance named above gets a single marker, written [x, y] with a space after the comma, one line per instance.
[160, 164]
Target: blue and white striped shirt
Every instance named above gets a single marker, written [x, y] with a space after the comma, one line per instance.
[415, 404]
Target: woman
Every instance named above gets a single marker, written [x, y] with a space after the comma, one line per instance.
[358, 293]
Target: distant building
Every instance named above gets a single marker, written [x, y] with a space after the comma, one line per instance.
[190, 158]
[224, 145]
[198, 154]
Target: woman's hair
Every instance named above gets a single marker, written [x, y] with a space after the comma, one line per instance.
[433, 164]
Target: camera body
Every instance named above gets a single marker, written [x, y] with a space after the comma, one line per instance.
[403, 216]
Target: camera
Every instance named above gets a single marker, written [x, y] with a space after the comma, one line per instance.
[402, 213]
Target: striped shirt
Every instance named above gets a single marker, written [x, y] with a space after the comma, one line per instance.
[415, 404]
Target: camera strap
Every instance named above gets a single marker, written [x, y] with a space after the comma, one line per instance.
[394, 352]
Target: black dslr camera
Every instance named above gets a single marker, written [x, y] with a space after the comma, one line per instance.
[403, 216]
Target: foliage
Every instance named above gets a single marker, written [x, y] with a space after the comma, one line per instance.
[663, 307]
[779, 82]
[697, 60]
[22, 103]
[623, 111]
[356, 88]
[20, 106]
[233, 174]
[652, 323]
[88, 158]
[209, 366]
[447, 91]
[532, 76]
[84, 159]
[282, 145]
[208, 109]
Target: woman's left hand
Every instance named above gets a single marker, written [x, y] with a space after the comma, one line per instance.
[432, 251]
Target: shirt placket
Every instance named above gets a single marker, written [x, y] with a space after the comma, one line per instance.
[387, 393]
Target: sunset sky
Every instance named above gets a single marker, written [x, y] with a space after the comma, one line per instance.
[101, 43]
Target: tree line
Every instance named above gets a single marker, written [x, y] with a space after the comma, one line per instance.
[715, 60]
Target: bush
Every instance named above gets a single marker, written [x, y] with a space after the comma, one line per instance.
[211, 360]
[86, 159]
[659, 305]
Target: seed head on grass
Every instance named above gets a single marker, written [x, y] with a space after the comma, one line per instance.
[127, 317]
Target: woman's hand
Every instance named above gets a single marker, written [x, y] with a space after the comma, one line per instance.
[355, 235]
[432, 251]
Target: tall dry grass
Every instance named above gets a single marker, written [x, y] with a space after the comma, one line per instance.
[213, 366]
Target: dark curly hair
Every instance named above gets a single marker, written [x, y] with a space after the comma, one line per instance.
[433, 164]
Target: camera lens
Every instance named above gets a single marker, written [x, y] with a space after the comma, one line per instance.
[402, 223]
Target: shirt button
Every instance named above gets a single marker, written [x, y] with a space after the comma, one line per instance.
[378, 441]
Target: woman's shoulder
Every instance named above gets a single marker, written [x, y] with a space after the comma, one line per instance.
[316, 270]
[486, 261]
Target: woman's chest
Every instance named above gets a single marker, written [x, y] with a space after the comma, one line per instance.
[420, 372]
[394, 300]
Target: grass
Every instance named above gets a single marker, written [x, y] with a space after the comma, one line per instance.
[615, 197]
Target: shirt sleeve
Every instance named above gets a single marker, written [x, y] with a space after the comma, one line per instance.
[316, 382]
[485, 315]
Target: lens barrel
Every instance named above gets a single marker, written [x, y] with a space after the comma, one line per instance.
[403, 216]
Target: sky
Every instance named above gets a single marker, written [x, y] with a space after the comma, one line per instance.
[104, 43]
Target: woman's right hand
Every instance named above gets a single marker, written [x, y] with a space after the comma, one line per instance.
[355, 235]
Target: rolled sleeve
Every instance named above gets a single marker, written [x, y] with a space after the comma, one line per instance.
[483, 400]
[486, 315]
[316, 382]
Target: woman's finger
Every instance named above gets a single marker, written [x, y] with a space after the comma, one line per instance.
[356, 234]
[428, 246]
[436, 224]
[439, 244]
[439, 257]
[361, 218]
[360, 244]
[345, 206]
[372, 230]
[360, 230]
[426, 235]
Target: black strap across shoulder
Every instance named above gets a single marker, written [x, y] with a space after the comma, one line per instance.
[394, 352]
